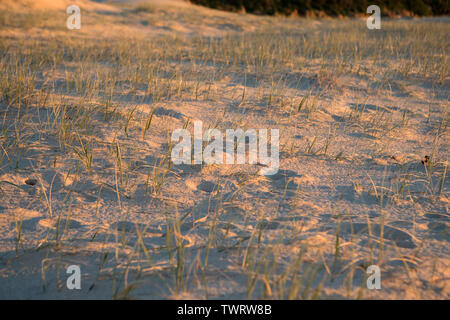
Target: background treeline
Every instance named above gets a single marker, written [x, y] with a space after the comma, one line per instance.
[331, 7]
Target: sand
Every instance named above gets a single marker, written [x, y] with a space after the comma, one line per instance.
[354, 187]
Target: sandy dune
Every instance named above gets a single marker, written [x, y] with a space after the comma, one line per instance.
[86, 177]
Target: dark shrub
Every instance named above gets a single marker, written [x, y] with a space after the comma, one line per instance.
[330, 7]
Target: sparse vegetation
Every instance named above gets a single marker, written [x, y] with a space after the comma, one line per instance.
[89, 117]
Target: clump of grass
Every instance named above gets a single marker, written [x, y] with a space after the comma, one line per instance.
[145, 8]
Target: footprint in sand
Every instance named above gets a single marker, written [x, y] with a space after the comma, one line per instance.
[166, 112]
[27, 224]
[63, 223]
[232, 213]
[437, 216]
[439, 226]
[127, 226]
[203, 185]
[400, 238]
[27, 219]
[270, 225]
[285, 179]
[35, 223]
[207, 186]
[186, 169]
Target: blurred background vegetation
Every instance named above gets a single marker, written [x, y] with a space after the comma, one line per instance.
[331, 7]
